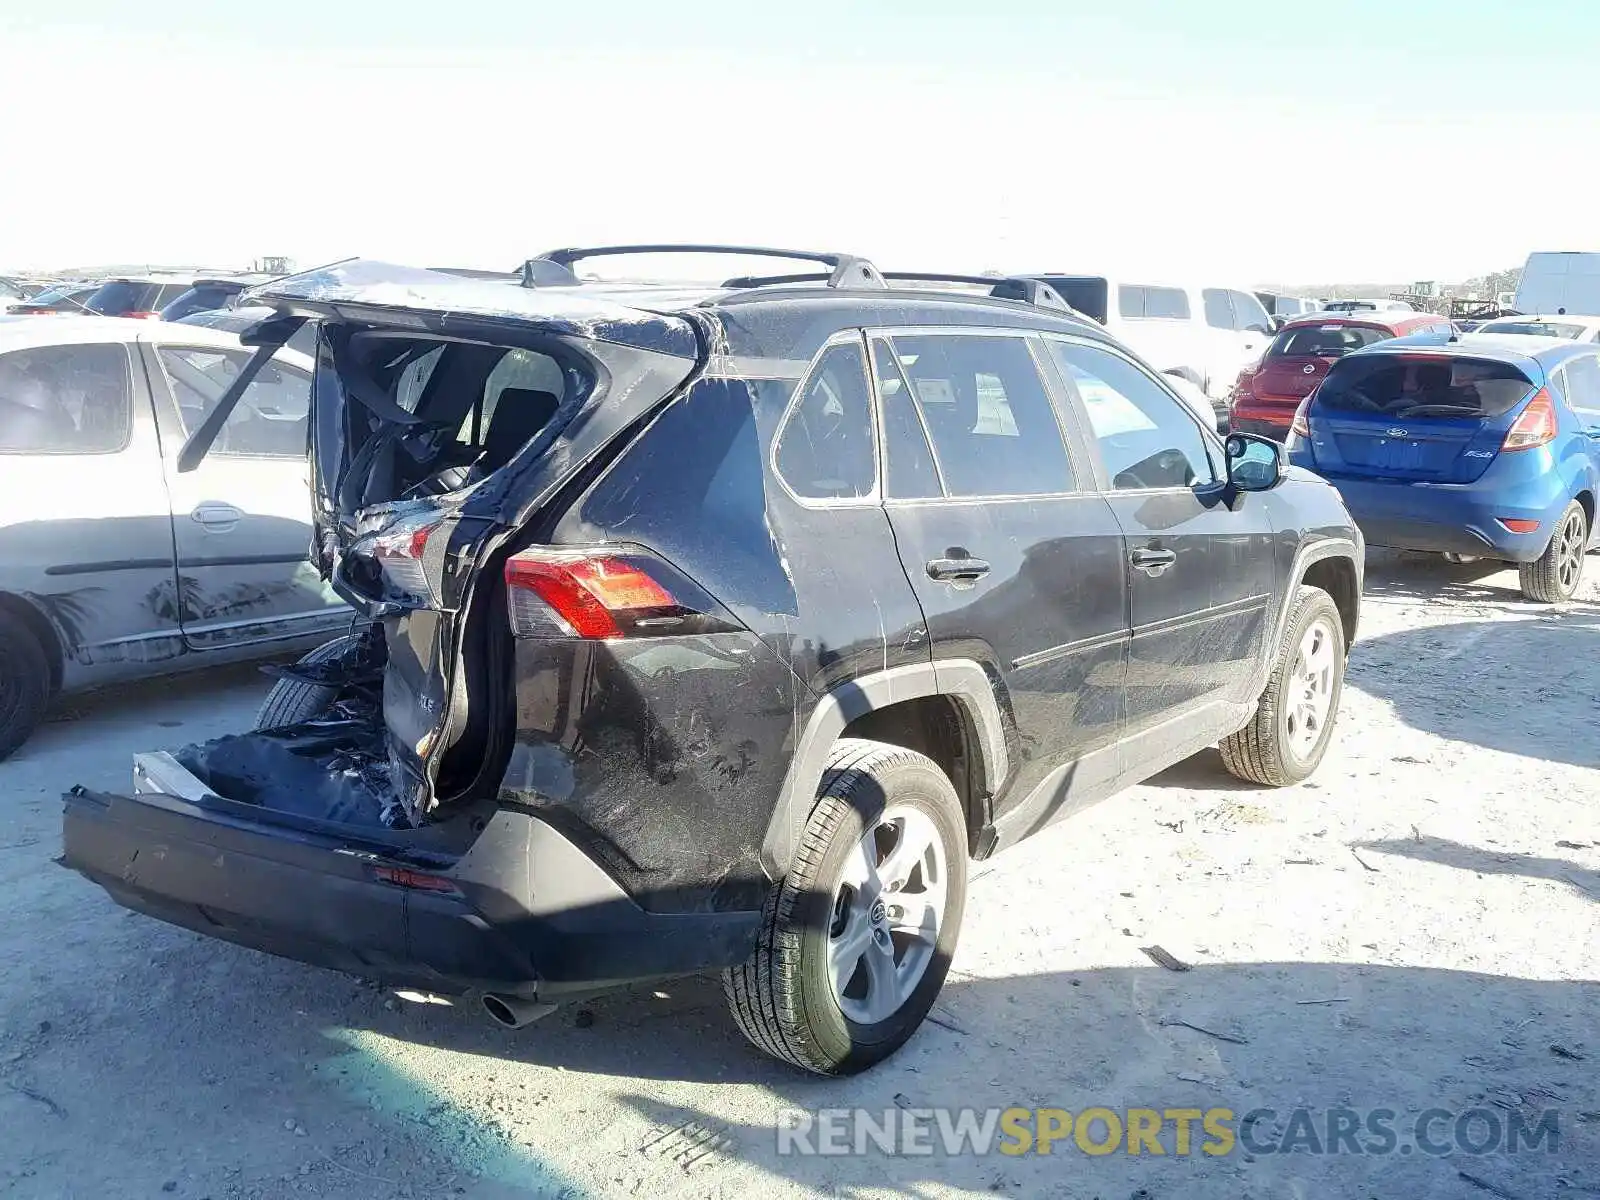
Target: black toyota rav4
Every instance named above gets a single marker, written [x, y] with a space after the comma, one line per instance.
[719, 628]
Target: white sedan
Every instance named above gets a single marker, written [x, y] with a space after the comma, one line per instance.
[115, 564]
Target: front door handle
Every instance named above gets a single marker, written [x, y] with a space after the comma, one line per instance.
[1152, 561]
[217, 518]
[957, 570]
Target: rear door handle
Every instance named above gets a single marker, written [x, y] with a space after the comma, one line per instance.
[217, 517]
[1152, 562]
[957, 570]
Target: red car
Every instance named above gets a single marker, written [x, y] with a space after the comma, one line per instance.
[1267, 393]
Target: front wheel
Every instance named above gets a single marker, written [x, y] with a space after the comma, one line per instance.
[1293, 724]
[1555, 574]
[858, 937]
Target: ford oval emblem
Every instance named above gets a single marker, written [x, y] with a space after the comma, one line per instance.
[1309, 369]
[1396, 433]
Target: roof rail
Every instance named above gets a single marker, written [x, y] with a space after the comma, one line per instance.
[555, 267]
[1002, 287]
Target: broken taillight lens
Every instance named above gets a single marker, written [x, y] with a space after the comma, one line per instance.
[600, 594]
[1535, 427]
[398, 551]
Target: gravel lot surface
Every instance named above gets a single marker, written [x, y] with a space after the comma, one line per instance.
[1413, 929]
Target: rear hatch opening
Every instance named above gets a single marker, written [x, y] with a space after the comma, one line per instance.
[447, 415]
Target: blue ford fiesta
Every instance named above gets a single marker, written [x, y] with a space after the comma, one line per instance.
[1478, 445]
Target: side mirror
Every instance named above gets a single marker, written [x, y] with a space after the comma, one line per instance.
[1255, 464]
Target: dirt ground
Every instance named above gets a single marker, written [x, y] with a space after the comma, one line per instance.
[1413, 929]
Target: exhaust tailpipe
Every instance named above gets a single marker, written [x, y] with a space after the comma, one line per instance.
[514, 1011]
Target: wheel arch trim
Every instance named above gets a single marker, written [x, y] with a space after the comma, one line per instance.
[961, 680]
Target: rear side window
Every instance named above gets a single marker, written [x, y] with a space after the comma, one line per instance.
[1395, 386]
[984, 405]
[1581, 386]
[65, 400]
[1137, 301]
[271, 417]
[825, 450]
[1146, 437]
[1248, 314]
[1324, 341]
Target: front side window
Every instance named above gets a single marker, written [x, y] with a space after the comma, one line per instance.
[913, 474]
[65, 400]
[1248, 314]
[1147, 439]
[1219, 309]
[271, 417]
[825, 450]
[983, 403]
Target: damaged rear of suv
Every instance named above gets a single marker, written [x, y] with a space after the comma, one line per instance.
[648, 676]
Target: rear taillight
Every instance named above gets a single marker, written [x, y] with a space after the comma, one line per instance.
[1244, 387]
[603, 593]
[1300, 427]
[1535, 427]
[142, 316]
[398, 550]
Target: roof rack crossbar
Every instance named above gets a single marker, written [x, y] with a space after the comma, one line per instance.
[1002, 287]
[845, 270]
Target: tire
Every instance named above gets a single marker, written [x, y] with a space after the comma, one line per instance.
[24, 683]
[1282, 745]
[784, 999]
[1554, 576]
[291, 701]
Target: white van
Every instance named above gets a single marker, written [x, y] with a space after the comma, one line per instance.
[1206, 335]
[1556, 282]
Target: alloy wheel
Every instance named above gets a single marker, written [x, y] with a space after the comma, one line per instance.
[887, 909]
[1309, 694]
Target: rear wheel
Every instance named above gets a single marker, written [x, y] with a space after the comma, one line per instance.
[24, 683]
[293, 700]
[1555, 574]
[1294, 719]
[858, 937]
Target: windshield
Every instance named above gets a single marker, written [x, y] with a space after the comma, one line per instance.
[1324, 341]
[1555, 329]
[1408, 386]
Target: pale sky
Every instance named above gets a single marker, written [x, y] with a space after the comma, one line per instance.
[1261, 142]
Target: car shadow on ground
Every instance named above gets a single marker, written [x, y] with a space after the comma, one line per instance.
[1485, 682]
[1494, 862]
[1410, 575]
[1247, 1036]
